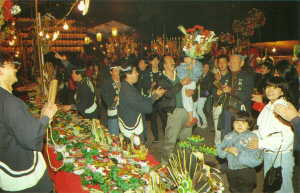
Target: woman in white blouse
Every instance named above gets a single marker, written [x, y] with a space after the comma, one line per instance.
[275, 135]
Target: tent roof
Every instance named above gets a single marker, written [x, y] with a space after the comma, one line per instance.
[106, 27]
[282, 47]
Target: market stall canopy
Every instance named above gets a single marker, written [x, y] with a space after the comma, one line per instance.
[281, 47]
[106, 28]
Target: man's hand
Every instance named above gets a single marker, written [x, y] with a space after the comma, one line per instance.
[189, 92]
[253, 143]
[66, 107]
[218, 76]
[185, 81]
[49, 110]
[226, 89]
[257, 98]
[58, 56]
[232, 150]
[219, 92]
[287, 112]
[159, 92]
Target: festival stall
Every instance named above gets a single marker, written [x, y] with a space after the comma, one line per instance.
[83, 157]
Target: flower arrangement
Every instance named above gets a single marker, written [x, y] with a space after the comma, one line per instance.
[8, 11]
[197, 41]
[226, 38]
[246, 27]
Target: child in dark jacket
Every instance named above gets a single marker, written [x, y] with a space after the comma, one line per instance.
[241, 160]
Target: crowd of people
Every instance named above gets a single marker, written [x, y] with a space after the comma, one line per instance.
[252, 109]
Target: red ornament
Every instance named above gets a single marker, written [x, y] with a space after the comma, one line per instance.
[7, 5]
[198, 27]
[190, 30]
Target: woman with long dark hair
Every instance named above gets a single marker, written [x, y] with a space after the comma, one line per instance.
[274, 135]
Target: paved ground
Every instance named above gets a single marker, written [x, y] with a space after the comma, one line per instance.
[209, 139]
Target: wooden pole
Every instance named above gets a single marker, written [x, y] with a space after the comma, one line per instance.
[39, 48]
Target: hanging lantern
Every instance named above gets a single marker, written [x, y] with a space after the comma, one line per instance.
[86, 6]
[87, 40]
[99, 37]
[81, 5]
[66, 26]
[47, 36]
[114, 31]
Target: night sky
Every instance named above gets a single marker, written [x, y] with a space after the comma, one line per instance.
[154, 17]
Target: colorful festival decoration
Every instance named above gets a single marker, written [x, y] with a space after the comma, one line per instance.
[197, 41]
[190, 174]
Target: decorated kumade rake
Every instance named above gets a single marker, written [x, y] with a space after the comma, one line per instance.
[189, 173]
[197, 41]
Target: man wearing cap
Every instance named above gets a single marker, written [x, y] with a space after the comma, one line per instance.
[22, 166]
[110, 94]
[85, 97]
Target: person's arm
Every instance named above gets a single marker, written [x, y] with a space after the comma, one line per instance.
[296, 124]
[137, 102]
[29, 131]
[222, 146]
[197, 71]
[250, 157]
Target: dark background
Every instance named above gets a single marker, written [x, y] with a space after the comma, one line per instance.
[155, 17]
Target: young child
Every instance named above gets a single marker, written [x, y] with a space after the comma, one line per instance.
[241, 160]
[193, 69]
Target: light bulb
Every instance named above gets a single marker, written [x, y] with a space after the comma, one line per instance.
[81, 6]
[274, 50]
[11, 42]
[65, 26]
[41, 33]
[99, 37]
[55, 35]
[47, 36]
[114, 31]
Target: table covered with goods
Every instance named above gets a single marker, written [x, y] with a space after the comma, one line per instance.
[83, 157]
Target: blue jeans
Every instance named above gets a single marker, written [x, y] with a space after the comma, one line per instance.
[287, 163]
[113, 126]
[199, 109]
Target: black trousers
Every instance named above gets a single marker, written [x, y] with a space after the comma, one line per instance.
[242, 180]
[153, 118]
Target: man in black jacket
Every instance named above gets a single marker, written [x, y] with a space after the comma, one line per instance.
[110, 94]
[133, 106]
[237, 87]
[22, 166]
[85, 97]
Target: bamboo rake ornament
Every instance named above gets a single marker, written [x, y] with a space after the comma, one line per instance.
[52, 91]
